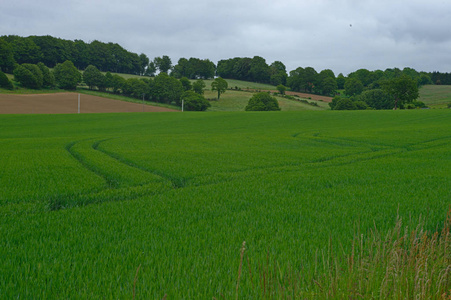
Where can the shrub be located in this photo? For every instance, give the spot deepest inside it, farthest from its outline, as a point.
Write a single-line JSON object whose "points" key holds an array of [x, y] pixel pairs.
{"points": [[26, 78], [192, 101], [66, 75], [345, 104], [262, 102], [5, 82]]}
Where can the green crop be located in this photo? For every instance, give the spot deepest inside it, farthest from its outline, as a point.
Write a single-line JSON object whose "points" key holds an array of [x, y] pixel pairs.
{"points": [[154, 204]]}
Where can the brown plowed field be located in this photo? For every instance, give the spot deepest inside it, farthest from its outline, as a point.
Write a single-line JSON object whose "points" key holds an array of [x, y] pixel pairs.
{"points": [[67, 103]]}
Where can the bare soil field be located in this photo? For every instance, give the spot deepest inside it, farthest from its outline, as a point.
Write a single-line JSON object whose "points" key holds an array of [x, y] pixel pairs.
{"points": [[67, 103]]}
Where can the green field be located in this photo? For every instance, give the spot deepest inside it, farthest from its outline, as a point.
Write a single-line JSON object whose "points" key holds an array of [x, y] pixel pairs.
{"points": [[435, 96], [233, 100], [102, 205]]}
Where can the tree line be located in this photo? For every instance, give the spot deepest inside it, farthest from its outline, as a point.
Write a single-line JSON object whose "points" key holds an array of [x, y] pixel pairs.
{"points": [[28, 57], [51, 51]]}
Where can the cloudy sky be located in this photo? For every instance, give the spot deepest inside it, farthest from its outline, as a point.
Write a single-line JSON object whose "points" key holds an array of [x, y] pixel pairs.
{"points": [[342, 35]]}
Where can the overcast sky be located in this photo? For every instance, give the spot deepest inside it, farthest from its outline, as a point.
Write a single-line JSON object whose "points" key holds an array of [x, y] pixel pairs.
{"points": [[342, 35]]}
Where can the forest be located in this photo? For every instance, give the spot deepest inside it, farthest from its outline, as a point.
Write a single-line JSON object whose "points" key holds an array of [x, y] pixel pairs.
{"points": [[360, 89]]}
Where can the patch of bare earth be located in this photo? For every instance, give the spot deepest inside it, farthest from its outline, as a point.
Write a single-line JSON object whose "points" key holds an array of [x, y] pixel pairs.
{"points": [[67, 103]]}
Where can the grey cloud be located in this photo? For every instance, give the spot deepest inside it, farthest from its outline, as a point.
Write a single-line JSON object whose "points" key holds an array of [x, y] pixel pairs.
{"points": [[342, 35]]}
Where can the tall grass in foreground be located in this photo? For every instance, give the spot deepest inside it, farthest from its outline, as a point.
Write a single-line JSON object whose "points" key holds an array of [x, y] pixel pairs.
{"points": [[402, 264]]}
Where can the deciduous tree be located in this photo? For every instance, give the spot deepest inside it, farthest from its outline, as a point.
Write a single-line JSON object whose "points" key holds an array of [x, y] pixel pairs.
{"points": [[5, 83], [93, 77], [353, 87], [403, 89], [163, 63], [66, 75], [194, 102], [199, 86], [219, 85], [262, 102]]}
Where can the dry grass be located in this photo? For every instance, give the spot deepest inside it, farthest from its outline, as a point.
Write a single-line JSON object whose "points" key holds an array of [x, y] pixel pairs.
{"points": [[401, 264]]}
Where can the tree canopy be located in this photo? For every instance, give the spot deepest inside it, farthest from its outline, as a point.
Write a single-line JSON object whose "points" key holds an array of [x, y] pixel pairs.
{"points": [[67, 76], [219, 85], [262, 102], [194, 102], [403, 89]]}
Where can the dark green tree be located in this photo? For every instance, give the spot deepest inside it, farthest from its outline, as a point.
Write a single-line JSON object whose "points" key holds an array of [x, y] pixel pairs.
{"points": [[143, 63], [108, 80], [259, 71], [278, 73], [345, 104], [281, 88], [377, 99], [93, 77], [194, 102], [328, 86], [220, 85], [37, 73], [26, 78], [117, 83], [6, 56], [5, 83], [403, 89], [26, 51], [241, 69], [262, 102], [136, 88], [66, 75], [163, 63], [341, 81], [353, 87], [48, 79], [151, 69], [166, 89], [199, 86], [186, 84]]}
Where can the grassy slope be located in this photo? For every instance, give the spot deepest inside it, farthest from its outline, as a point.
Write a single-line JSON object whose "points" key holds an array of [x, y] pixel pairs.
{"points": [[436, 96], [233, 100], [177, 194]]}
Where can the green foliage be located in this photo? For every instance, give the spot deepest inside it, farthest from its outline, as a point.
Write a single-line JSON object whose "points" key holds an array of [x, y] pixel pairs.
{"points": [[281, 88], [262, 102], [5, 83], [360, 105], [48, 79], [163, 63], [66, 75], [219, 85], [186, 84], [26, 78], [353, 87], [136, 88], [117, 83], [166, 89], [345, 104], [108, 82], [199, 86], [194, 68], [403, 89], [194, 102], [278, 73], [6, 56], [377, 99], [341, 79], [93, 77], [328, 86]]}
